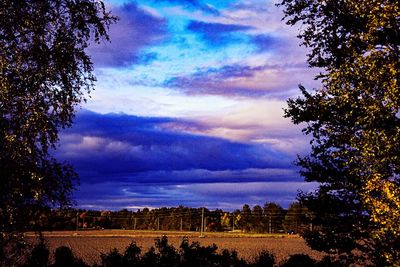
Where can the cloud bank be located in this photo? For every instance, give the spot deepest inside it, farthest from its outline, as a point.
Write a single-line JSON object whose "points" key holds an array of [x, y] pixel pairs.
{"points": [[127, 157]]}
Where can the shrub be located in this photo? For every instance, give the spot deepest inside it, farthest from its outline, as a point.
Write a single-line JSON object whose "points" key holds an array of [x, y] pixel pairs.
{"points": [[132, 255], [65, 258], [194, 255], [169, 257], [264, 259], [39, 256], [112, 259], [299, 260]]}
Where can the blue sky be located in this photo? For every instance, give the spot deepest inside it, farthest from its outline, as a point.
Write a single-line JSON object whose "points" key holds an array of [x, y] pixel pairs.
{"points": [[188, 108]]}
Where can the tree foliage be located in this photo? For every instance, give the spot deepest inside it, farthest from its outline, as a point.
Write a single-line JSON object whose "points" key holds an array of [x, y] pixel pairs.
{"points": [[355, 125], [45, 73]]}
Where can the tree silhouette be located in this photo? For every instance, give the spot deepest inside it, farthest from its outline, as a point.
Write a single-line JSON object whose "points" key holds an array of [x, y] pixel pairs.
{"points": [[355, 124], [44, 74]]}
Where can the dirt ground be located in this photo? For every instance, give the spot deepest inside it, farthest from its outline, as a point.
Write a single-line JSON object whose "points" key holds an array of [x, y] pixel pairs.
{"points": [[89, 245]]}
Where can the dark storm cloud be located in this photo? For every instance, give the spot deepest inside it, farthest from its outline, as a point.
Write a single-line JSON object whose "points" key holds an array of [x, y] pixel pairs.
{"points": [[100, 146], [216, 33], [127, 161], [199, 176], [131, 162], [135, 30]]}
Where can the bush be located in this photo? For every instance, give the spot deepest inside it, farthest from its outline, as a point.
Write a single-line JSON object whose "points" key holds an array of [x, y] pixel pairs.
{"points": [[65, 258], [194, 255], [264, 259], [169, 257], [132, 255], [164, 254], [39, 256], [114, 258], [299, 260]]}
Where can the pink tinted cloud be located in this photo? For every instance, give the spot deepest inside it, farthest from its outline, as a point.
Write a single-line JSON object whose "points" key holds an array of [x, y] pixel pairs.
{"points": [[268, 79]]}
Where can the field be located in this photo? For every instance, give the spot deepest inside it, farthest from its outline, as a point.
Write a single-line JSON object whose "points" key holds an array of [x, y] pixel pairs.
{"points": [[88, 245]]}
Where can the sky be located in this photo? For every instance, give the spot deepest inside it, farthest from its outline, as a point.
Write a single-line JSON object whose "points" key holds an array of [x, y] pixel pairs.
{"points": [[188, 108]]}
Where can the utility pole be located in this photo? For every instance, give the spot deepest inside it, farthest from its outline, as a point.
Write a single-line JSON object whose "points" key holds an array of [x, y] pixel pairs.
{"points": [[190, 221], [181, 224], [202, 223], [233, 222], [77, 220], [270, 224], [134, 225]]}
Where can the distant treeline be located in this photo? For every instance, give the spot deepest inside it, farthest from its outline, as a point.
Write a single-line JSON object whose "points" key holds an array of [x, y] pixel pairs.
{"points": [[271, 218]]}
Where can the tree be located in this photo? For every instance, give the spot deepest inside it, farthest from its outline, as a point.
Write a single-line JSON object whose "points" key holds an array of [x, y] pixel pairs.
{"points": [[45, 73], [226, 221], [236, 219], [245, 221], [295, 218], [273, 217], [355, 125], [257, 218]]}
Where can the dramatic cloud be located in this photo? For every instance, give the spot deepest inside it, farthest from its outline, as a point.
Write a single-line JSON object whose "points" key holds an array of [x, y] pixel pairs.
{"points": [[198, 88], [117, 144], [134, 153], [137, 28], [264, 58]]}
